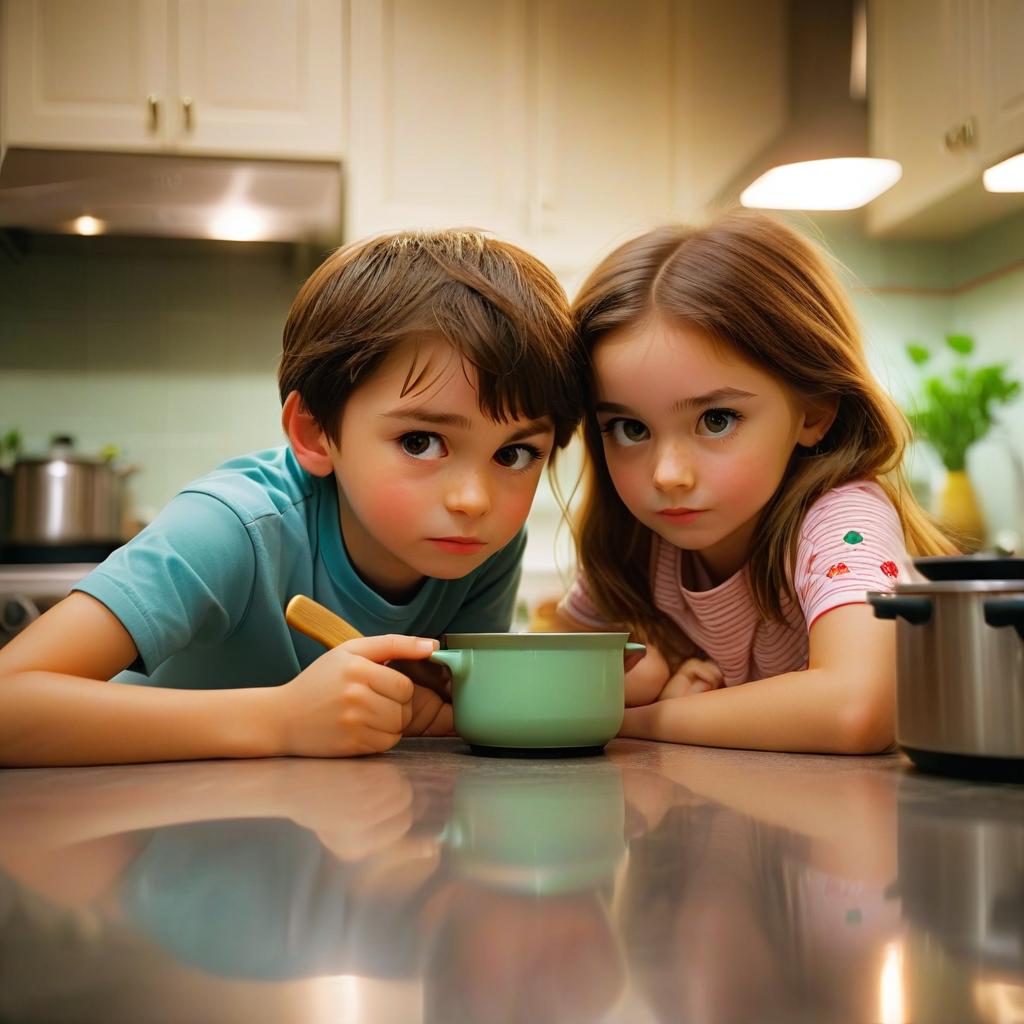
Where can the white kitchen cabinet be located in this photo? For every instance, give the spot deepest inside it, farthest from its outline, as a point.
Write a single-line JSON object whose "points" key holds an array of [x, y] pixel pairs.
{"points": [[258, 78], [563, 125], [947, 102], [438, 116]]}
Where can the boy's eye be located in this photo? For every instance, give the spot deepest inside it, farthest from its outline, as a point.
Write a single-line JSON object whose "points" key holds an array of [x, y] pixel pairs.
{"points": [[517, 456], [626, 432], [422, 445], [718, 422]]}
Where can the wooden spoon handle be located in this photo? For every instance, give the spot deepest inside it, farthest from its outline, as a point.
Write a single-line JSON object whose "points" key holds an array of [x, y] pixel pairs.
{"points": [[320, 623]]}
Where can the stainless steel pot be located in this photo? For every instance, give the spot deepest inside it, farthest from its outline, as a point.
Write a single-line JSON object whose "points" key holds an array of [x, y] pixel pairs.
{"points": [[67, 499], [960, 674]]}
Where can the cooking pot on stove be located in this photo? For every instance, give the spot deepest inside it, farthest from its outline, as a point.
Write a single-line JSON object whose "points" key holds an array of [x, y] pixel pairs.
{"points": [[960, 667], [67, 498]]}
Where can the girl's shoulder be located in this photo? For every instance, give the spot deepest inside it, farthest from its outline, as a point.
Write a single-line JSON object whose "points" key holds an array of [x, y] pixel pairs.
{"points": [[858, 500]]}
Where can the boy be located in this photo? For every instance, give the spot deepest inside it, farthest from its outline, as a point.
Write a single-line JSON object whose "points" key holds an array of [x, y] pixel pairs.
{"points": [[426, 379]]}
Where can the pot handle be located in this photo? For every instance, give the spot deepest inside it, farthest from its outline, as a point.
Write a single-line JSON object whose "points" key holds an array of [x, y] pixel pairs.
{"points": [[1005, 611], [916, 610], [458, 662]]}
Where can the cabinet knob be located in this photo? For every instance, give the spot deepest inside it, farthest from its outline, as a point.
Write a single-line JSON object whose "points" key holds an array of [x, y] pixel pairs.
{"points": [[153, 105], [187, 107], [961, 136]]}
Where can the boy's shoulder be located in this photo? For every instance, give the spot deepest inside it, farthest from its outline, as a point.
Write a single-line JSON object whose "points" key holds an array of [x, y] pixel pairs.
{"points": [[260, 484]]}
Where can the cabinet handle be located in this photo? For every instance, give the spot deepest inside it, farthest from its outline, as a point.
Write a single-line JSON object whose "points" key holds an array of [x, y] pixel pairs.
{"points": [[962, 135], [969, 130], [153, 105], [187, 107]]}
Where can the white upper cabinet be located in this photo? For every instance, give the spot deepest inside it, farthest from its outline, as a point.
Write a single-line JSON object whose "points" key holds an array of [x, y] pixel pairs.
{"points": [[259, 78], [947, 102], [90, 75], [438, 116], [563, 125]]}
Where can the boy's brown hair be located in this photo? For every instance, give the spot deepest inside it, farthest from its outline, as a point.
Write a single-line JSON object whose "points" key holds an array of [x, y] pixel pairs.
{"points": [[500, 308]]}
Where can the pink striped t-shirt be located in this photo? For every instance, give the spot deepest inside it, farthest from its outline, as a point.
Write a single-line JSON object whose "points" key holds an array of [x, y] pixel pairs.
{"points": [[851, 541]]}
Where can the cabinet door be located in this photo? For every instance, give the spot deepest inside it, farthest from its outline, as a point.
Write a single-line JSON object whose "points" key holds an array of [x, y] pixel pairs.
{"points": [[258, 78], [605, 126], [85, 75], [437, 116], [1001, 85], [921, 68]]}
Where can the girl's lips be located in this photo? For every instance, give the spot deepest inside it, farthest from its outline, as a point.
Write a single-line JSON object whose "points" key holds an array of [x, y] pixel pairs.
{"points": [[680, 515], [458, 545]]}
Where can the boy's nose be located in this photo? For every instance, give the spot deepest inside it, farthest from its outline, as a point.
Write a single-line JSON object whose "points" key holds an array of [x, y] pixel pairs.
{"points": [[673, 469], [469, 495]]}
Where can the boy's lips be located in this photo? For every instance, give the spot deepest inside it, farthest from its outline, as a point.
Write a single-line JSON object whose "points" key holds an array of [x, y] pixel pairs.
{"points": [[458, 545]]}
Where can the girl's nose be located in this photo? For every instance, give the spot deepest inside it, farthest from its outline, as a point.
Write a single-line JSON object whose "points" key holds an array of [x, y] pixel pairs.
{"points": [[469, 495], [673, 469]]}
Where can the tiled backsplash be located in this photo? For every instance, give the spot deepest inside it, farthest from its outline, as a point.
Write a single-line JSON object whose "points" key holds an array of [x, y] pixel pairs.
{"points": [[169, 349]]}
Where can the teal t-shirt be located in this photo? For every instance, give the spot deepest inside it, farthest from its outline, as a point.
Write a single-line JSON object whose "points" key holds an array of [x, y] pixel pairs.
{"points": [[202, 590]]}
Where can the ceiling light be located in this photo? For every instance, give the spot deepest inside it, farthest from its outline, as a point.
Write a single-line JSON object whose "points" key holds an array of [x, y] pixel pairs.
{"points": [[87, 225], [839, 183], [1007, 176]]}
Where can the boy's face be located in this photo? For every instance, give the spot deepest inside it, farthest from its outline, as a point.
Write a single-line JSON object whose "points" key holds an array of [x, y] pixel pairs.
{"points": [[427, 484]]}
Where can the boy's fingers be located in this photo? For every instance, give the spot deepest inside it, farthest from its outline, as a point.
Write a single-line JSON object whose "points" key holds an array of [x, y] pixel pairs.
{"points": [[388, 682], [376, 741], [391, 646]]}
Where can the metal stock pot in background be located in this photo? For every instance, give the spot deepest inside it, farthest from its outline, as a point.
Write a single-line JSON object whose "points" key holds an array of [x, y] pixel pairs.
{"points": [[67, 498], [960, 669]]}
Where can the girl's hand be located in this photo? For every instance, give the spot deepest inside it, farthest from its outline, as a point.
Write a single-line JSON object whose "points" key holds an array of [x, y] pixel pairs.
{"points": [[348, 701], [695, 675], [646, 678]]}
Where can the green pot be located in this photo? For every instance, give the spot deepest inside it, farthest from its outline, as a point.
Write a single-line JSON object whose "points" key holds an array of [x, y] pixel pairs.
{"points": [[537, 693]]}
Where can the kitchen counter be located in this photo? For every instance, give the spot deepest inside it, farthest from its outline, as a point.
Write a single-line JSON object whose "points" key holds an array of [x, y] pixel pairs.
{"points": [[654, 883]]}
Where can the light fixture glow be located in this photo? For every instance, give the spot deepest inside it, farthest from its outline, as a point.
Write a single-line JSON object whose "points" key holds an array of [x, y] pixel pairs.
{"points": [[843, 183], [238, 224], [1007, 176], [892, 1002], [87, 225]]}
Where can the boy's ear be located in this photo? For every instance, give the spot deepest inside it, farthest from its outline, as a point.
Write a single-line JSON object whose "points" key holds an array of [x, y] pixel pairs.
{"points": [[306, 437], [819, 415]]}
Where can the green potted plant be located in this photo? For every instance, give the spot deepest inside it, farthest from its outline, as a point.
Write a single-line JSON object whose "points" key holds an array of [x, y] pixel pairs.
{"points": [[953, 410]]}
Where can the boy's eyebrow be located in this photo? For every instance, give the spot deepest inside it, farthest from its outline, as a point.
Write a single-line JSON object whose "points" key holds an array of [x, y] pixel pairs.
{"points": [[449, 419], [695, 402]]}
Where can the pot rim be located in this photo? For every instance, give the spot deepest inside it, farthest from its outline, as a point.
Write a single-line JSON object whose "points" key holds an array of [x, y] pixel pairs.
{"points": [[535, 641], [958, 587]]}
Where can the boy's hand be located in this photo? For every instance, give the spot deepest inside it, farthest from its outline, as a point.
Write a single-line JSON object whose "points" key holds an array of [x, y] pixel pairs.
{"points": [[348, 701], [695, 675], [431, 715]]}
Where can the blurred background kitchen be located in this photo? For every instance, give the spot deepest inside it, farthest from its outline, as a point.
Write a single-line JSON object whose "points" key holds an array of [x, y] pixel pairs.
{"points": [[172, 170]]}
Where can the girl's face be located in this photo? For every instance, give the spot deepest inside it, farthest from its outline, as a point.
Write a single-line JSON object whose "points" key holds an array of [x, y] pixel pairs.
{"points": [[427, 484], [697, 439]]}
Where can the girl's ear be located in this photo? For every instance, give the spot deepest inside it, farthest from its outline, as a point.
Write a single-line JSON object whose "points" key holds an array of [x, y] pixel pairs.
{"points": [[819, 415], [306, 437]]}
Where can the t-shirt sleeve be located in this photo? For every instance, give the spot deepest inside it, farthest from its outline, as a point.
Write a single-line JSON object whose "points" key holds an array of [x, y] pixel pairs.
{"points": [[579, 606], [187, 577], [851, 542], [491, 602]]}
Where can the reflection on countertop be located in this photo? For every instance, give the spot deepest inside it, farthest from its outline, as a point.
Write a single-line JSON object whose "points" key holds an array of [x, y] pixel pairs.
{"points": [[655, 883]]}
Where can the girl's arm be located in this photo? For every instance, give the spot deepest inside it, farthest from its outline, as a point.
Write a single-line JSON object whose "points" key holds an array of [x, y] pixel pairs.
{"points": [[842, 703], [57, 708]]}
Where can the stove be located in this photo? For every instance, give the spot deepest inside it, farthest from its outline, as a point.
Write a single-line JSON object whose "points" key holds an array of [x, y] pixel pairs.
{"points": [[28, 590]]}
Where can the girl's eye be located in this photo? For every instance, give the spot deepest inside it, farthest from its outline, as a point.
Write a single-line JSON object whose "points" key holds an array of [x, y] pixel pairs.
{"points": [[422, 445], [718, 422], [626, 432], [517, 456]]}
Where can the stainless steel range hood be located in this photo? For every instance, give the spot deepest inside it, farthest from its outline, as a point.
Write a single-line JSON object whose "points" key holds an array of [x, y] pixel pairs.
{"points": [[185, 197]]}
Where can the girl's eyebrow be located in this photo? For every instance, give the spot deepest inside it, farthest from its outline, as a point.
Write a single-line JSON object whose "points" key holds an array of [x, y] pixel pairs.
{"points": [[450, 419], [694, 402]]}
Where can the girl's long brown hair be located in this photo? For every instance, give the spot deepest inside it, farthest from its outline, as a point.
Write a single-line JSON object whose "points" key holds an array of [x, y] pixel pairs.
{"points": [[761, 288]]}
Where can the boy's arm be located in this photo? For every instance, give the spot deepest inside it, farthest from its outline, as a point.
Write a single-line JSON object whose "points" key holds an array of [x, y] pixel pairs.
{"points": [[842, 703], [56, 707]]}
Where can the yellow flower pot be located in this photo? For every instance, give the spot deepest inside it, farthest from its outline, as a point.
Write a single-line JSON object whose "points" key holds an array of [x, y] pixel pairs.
{"points": [[959, 509]]}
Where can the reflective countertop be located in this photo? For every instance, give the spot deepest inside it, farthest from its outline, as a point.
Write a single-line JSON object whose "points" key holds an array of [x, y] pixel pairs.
{"points": [[653, 883]]}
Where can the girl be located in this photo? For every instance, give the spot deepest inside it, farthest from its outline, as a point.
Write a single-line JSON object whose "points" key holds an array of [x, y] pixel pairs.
{"points": [[744, 492]]}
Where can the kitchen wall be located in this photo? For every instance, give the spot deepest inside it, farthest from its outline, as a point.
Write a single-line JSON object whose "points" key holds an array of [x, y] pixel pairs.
{"points": [[168, 349]]}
